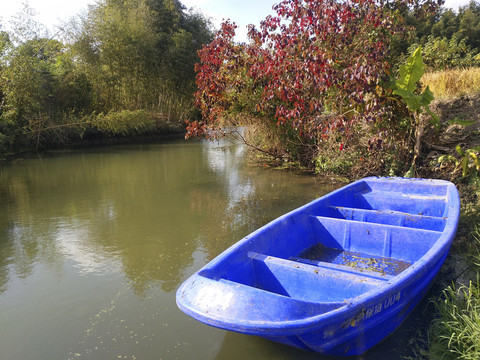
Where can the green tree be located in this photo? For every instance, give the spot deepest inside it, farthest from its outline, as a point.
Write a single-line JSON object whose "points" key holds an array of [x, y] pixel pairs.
{"points": [[449, 38], [464, 25], [469, 26], [122, 57], [73, 92], [447, 25], [440, 53], [30, 88], [117, 48], [4, 46], [140, 54]]}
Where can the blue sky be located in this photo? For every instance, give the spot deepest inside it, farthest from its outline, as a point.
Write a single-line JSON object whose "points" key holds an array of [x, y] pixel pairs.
{"points": [[243, 12]]}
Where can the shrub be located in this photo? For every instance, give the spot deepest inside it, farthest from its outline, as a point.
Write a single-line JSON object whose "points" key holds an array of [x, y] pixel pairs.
{"points": [[128, 123]]}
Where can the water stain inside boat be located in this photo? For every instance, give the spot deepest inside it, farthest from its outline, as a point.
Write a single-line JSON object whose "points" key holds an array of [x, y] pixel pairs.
{"points": [[355, 260]]}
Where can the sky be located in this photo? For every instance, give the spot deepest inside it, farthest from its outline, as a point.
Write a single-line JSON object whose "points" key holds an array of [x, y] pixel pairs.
{"points": [[53, 13]]}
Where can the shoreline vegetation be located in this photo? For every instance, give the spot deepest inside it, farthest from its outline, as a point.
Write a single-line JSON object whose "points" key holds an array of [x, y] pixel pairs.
{"points": [[121, 69], [137, 70], [99, 130]]}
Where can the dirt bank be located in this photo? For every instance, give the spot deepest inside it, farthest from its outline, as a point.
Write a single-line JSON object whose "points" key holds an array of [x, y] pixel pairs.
{"points": [[450, 135]]}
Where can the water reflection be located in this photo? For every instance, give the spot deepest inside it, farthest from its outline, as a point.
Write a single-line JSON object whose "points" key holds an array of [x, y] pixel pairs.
{"points": [[72, 241], [106, 212], [224, 159]]}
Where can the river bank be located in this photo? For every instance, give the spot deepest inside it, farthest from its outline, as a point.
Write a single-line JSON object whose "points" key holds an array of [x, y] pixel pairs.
{"points": [[120, 128], [451, 153]]}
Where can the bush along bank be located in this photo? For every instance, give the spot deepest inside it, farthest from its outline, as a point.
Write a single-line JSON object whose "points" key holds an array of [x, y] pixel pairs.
{"points": [[98, 129]]}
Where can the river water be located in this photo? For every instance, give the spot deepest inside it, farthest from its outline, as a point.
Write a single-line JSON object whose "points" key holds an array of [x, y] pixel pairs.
{"points": [[95, 242]]}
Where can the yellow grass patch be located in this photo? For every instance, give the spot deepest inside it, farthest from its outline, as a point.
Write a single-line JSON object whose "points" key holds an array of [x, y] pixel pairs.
{"points": [[453, 83]]}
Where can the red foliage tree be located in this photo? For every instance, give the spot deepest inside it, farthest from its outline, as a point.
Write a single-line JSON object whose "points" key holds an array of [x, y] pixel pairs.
{"points": [[213, 79], [318, 65]]}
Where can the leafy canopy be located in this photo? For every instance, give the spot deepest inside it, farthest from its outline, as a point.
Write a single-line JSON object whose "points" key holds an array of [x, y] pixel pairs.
{"points": [[317, 66]]}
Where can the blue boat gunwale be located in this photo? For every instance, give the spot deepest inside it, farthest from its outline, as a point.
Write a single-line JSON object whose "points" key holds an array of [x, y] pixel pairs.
{"points": [[355, 305]]}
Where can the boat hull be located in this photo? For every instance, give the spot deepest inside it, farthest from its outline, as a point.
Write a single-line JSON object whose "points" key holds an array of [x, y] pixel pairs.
{"points": [[362, 333], [335, 276]]}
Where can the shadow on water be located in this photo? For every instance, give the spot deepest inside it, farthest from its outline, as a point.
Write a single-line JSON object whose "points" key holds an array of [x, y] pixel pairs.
{"points": [[402, 344]]}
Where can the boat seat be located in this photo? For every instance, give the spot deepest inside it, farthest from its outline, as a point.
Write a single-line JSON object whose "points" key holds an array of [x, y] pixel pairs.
{"points": [[309, 282], [230, 302], [389, 217], [415, 204], [389, 241]]}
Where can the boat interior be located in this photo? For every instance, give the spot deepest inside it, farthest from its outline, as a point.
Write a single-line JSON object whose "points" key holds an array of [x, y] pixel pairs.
{"points": [[339, 246]]}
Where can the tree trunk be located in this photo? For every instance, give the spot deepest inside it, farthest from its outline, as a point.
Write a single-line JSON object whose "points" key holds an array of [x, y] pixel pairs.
{"points": [[417, 150]]}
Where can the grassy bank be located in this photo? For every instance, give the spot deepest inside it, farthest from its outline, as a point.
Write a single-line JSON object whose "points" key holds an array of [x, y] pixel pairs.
{"points": [[455, 332], [109, 128], [132, 123]]}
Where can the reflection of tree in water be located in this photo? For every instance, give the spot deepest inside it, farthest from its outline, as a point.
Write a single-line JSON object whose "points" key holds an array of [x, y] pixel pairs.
{"points": [[142, 213], [24, 238], [98, 210], [250, 197], [6, 251]]}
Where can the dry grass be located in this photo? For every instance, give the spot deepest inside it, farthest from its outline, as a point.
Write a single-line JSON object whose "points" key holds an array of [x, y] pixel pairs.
{"points": [[453, 83]]}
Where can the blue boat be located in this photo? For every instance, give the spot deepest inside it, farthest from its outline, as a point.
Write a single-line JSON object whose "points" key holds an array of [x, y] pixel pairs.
{"points": [[336, 275]]}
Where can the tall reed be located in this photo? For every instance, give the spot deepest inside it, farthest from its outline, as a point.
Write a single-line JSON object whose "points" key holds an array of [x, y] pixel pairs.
{"points": [[453, 83]]}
